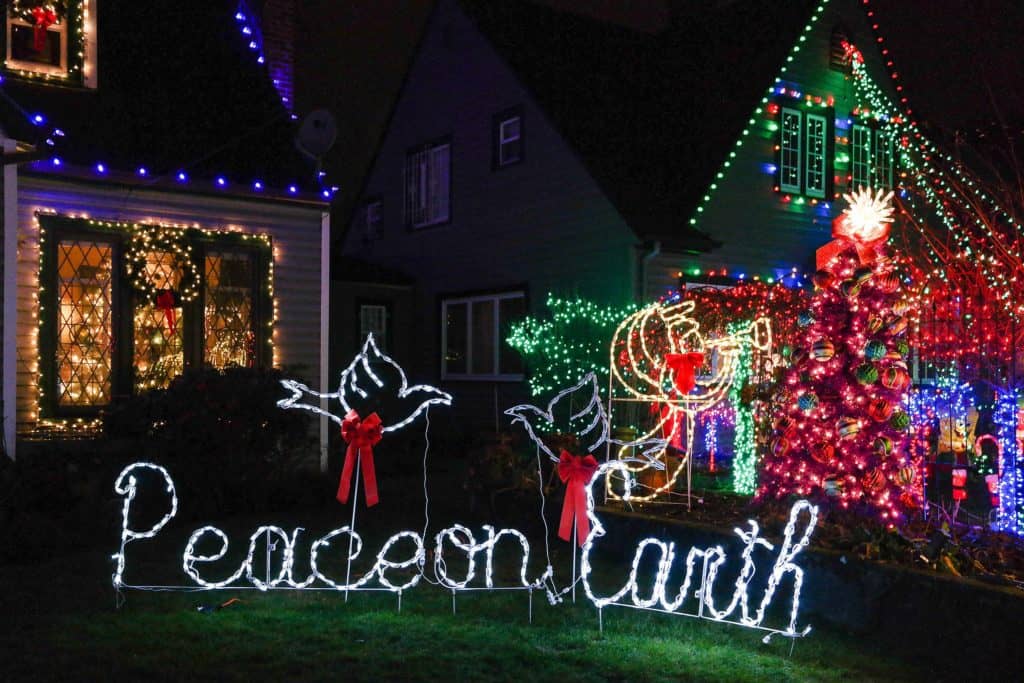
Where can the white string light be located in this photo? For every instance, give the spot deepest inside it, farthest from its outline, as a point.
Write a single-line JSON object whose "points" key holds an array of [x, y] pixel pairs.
{"points": [[349, 384], [712, 559], [127, 485]]}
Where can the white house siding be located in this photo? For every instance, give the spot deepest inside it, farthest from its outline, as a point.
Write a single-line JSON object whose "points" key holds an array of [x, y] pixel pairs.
{"points": [[294, 228]]}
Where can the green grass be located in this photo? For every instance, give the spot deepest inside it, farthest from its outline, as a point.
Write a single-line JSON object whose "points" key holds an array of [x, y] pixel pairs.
{"points": [[60, 623]]}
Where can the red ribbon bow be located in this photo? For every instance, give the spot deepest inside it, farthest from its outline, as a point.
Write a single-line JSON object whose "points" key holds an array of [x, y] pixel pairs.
{"points": [[165, 302], [361, 436], [45, 18], [575, 471], [684, 367]]}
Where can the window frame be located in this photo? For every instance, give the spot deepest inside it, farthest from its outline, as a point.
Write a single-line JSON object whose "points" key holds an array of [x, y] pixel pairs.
{"points": [[407, 200], [469, 300], [822, 192], [857, 149], [360, 302], [497, 142], [58, 71], [783, 151], [124, 299], [78, 66]]}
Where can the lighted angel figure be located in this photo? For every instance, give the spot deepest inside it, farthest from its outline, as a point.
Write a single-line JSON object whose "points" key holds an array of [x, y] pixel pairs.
{"points": [[578, 412], [365, 392], [658, 356]]}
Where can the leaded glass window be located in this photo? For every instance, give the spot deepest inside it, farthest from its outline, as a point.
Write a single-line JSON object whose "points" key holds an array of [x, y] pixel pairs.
{"points": [[789, 151], [157, 325], [230, 338], [816, 146], [860, 143], [84, 330]]}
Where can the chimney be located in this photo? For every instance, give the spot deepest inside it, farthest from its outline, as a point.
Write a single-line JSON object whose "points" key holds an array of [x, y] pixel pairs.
{"points": [[279, 46]]}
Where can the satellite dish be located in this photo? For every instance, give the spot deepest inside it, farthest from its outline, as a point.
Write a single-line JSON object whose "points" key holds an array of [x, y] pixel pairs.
{"points": [[317, 134]]}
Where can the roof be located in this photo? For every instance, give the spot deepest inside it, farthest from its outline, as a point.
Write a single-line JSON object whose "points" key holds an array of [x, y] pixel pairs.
{"points": [[652, 116], [180, 95]]}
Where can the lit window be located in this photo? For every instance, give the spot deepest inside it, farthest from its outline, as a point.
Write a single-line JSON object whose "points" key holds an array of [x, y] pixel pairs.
{"points": [[474, 333], [373, 319], [817, 169], [229, 310], [84, 330], [159, 353], [428, 186], [508, 139], [789, 151]]}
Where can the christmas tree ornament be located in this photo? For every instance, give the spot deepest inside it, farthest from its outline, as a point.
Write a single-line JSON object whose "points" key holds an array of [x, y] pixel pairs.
{"points": [[849, 288], [848, 427], [897, 325], [888, 283], [905, 475], [882, 446], [823, 452], [902, 348], [785, 426], [863, 274], [899, 420], [866, 373], [833, 486], [808, 402], [805, 318], [895, 378], [823, 350], [880, 409], [875, 324], [822, 279], [874, 350], [874, 480], [780, 446]]}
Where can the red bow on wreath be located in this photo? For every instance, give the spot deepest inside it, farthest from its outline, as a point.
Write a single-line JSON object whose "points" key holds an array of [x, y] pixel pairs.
{"points": [[361, 436], [684, 368], [575, 471], [44, 18], [165, 302]]}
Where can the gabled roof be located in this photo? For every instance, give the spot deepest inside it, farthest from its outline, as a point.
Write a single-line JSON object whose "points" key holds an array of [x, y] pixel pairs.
{"points": [[651, 116], [179, 91]]}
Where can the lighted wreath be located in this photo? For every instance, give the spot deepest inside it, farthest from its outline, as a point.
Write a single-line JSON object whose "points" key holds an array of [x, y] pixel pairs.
{"points": [[173, 241]]}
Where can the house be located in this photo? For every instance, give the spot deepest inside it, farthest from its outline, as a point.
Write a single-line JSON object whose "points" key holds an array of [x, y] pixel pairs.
{"points": [[534, 151], [157, 214]]}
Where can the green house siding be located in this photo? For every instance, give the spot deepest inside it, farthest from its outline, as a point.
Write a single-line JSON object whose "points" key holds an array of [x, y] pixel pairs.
{"points": [[773, 205]]}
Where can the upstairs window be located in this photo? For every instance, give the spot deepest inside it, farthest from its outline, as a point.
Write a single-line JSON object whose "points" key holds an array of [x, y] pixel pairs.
{"points": [[805, 151], [374, 319], [474, 330], [871, 158], [51, 39], [789, 151], [428, 185], [508, 138]]}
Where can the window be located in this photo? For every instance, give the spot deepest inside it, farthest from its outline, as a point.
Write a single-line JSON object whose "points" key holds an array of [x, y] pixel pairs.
{"points": [[860, 142], [789, 151], [508, 139], [105, 335], [817, 146], [374, 319], [871, 152], [474, 330], [428, 186], [54, 41], [371, 222]]}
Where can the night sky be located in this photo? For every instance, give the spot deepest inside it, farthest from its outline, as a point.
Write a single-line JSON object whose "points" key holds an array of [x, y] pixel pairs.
{"points": [[961, 61]]}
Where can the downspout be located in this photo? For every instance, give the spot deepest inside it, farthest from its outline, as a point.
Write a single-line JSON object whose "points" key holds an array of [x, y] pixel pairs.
{"points": [[647, 258]]}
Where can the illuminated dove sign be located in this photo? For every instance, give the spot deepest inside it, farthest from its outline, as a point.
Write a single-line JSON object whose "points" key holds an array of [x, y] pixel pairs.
{"points": [[368, 385]]}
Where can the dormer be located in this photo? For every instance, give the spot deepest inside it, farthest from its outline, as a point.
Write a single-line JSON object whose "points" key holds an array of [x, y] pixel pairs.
{"points": [[51, 41]]}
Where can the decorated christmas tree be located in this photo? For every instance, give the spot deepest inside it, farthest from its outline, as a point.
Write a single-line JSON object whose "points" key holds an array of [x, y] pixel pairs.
{"points": [[839, 427]]}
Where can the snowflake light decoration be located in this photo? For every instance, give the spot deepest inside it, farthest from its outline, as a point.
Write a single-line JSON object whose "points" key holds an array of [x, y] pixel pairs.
{"points": [[867, 218]]}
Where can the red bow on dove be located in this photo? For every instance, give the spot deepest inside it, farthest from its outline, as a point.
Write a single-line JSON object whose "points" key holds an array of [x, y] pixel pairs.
{"points": [[44, 18], [684, 367], [575, 471], [165, 302], [361, 436]]}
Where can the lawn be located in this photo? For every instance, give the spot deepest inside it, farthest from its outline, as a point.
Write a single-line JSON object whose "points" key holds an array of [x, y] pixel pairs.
{"points": [[61, 623]]}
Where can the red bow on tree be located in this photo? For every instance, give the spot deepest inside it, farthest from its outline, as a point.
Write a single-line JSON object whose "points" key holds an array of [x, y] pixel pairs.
{"points": [[684, 367], [361, 436], [45, 18], [165, 302], [575, 471]]}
